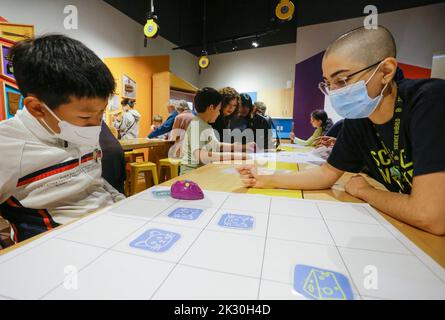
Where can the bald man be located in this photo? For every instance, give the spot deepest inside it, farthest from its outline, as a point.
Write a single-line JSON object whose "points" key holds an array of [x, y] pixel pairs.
{"points": [[393, 127]]}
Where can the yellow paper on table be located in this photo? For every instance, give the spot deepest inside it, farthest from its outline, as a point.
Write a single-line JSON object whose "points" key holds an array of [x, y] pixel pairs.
{"points": [[282, 166], [286, 148], [297, 194]]}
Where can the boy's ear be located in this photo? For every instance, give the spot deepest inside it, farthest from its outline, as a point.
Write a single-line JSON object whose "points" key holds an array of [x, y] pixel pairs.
{"points": [[34, 106], [389, 69]]}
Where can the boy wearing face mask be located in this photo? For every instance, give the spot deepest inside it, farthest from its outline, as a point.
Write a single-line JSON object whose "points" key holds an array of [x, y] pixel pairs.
{"points": [[391, 127], [50, 167]]}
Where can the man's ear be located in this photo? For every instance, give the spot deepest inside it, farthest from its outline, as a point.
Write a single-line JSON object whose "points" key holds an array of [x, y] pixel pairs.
{"points": [[389, 68], [34, 106]]}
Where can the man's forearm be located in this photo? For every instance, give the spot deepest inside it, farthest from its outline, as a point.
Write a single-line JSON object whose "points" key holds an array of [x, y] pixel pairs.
{"points": [[397, 205], [312, 179]]}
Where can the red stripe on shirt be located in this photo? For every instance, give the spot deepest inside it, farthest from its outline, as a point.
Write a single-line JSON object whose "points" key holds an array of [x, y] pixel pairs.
{"points": [[45, 219], [12, 203], [53, 172]]}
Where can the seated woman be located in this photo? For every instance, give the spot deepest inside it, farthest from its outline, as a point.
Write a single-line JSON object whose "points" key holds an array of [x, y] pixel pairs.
{"points": [[321, 123], [229, 109]]}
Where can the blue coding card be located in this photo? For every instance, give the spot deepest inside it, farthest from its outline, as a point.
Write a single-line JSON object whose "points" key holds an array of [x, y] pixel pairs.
{"points": [[236, 221], [155, 240], [321, 284], [185, 213]]}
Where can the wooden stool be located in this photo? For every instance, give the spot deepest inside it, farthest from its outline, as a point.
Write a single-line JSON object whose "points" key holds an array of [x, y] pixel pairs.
{"points": [[132, 156], [128, 156], [169, 167], [138, 154], [142, 167]]}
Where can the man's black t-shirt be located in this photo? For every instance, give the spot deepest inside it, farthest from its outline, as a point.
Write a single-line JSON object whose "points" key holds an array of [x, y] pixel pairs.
{"points": [[421, 145]]}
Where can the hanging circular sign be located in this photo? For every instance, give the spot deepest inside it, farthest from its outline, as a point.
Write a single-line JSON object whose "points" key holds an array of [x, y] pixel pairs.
{"points": [[204, 62], [151, 29], [285, 10]]}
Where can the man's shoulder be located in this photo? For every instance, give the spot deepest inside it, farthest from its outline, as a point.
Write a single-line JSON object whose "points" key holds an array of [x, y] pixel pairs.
{"points": [[356, 126], [413, 89]]}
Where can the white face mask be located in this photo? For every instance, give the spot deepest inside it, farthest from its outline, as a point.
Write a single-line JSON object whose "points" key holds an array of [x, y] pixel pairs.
{"points": [[81, 136]]}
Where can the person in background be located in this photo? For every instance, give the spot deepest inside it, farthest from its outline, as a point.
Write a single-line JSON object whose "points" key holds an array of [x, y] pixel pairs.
{"points": [[254, 126], [229, 109], [128, 126], [200, 145], [166, 127], [113, 159], [321, 123], [157, 122], [180, 126], [261, 109]]}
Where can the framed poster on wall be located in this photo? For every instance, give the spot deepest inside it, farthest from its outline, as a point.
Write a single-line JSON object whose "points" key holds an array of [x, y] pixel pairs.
{"points": [[129, 87], [6, 70], [16, 32], [12, 100], [113, 103]]}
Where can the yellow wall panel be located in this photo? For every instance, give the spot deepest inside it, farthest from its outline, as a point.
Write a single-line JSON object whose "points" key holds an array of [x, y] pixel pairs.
{"points": [[279, 102], [161, 93]]}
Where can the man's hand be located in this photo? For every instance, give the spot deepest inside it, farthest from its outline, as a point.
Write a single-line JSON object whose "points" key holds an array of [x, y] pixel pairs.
{"points": [[357, 185], [250, 178], [292, 137]]}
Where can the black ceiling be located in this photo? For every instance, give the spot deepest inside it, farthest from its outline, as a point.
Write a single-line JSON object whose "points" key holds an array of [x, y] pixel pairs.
{"points": [[181, 21]]}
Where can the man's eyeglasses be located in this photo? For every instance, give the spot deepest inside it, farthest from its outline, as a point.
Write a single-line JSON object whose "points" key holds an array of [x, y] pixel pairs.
{"points": [[341, 82]]}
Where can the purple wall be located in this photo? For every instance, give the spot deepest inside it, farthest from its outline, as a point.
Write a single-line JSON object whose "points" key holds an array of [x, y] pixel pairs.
{"points": [[307, 96]]}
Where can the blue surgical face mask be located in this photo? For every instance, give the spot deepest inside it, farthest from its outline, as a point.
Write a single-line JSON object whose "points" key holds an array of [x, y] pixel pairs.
{"points": [[353, 101]]}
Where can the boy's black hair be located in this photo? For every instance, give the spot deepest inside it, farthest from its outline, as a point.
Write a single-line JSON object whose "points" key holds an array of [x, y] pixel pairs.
{"points": [[56, 67], [246, 101], [205, 98]]}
